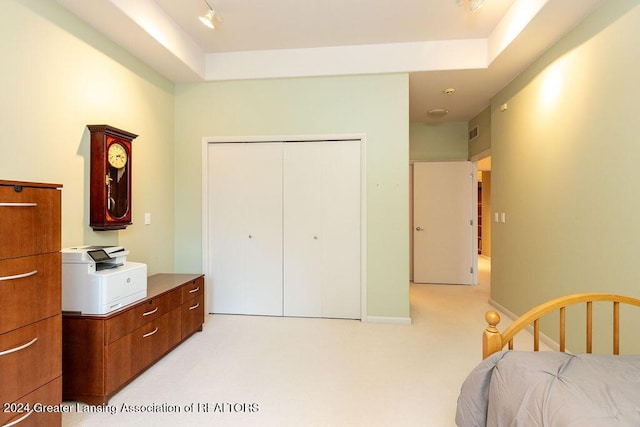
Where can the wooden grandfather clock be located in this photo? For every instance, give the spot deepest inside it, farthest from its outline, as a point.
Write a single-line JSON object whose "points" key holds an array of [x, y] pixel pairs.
{"points": [[110, 182]]}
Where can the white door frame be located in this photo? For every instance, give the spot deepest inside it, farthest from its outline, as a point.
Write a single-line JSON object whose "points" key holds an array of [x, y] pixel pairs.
{"points": [[287, 138]]}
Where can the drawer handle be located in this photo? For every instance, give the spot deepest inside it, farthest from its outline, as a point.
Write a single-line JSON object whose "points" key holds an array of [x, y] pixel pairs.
{"points": [[19, 420], [150, 333], [22, 347], [194, 307], [18, 205], [19, 276], [194, 290], [150, 312]]}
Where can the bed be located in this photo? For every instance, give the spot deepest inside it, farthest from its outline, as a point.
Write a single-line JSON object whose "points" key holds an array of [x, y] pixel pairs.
{"points": [[552, 388]]}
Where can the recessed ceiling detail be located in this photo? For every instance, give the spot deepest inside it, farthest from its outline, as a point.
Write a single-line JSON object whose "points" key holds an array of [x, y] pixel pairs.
{"points": [[432, 41]]}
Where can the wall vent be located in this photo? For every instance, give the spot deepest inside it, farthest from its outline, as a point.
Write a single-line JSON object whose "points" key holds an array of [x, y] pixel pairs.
{"points": [[473, 133]]}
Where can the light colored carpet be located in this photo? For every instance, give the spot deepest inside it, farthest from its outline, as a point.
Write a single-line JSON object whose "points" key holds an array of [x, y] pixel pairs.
{"points": [[272, 371]]}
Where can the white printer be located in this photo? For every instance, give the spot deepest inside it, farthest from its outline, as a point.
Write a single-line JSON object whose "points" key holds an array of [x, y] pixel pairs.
{"points": [[98, 279]]}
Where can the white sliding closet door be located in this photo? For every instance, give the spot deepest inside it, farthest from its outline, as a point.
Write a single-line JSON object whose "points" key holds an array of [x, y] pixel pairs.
{"points": [[341, 229], [322, 229], [245, 222], [303, 229]]}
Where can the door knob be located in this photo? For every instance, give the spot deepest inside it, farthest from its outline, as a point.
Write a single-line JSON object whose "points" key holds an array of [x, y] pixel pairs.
{"points": [[419, 228]]}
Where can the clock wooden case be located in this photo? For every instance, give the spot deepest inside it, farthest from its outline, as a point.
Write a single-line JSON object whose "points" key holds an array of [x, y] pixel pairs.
{"points": [[110, 182]]}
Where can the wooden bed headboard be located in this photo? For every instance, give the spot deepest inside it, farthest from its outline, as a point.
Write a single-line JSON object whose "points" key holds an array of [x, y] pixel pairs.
{"points": [[494, 341]]}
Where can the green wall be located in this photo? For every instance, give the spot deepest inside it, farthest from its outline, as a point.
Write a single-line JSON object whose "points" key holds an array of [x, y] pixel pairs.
{"points": [[374, 105], [58, 75], [438, 142], [566, 172], [482, 142]]}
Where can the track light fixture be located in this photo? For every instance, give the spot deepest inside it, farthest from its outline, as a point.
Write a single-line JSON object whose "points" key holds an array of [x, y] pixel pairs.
{"points": [[209, 17], [473, 5]]}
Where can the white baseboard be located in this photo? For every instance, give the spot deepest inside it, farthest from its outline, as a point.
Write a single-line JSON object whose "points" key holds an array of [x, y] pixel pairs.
{"points": [[544, 338], [380, 319]]}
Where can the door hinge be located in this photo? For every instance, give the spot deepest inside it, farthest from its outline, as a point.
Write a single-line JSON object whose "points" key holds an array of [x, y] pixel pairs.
{"points": [[471, 270], [470, 222]]}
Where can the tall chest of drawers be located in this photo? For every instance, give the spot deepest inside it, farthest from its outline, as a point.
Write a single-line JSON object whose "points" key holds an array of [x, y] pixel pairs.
{"points": [[30, 292]]}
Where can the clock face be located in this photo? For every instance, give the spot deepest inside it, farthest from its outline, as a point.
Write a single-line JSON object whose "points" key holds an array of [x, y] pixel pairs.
{"points": [[117, 156]]}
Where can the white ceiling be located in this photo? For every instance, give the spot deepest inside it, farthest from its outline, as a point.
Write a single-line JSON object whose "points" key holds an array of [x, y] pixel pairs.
{"points": [[439, 43]]}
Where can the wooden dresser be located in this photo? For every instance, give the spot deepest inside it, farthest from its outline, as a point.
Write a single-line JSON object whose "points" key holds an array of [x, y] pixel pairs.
{"points": [[30, 294], [103, 353]]}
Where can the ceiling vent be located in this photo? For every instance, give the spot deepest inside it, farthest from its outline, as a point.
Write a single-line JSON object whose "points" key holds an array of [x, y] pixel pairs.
{"points": [[473, 133]]}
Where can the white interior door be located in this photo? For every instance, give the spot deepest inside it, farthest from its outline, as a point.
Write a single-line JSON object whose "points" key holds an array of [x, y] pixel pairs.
{"points": [[263, 268], [285, 228], [322, 229], [227, 226], [341, 289], [245, 222], [303, 229], [442, 217]]}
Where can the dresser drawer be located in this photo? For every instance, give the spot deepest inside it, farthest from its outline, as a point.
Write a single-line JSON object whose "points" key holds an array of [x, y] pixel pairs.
{"points": [[29, 357], [29, 221], [131, 354], [29, 290], [193, 289], [48, 395], [131, 319], [192, 316]]}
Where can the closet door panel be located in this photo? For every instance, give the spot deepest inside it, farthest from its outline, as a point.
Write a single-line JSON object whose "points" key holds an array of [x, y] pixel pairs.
{"points": [[245, 211], [303, 229], [227, 219], [263, 233], [341, 230], [285, 228]]}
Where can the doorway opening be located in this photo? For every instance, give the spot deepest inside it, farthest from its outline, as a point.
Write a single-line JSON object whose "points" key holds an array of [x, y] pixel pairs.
{"points": [[484, 207], [485, 219]]}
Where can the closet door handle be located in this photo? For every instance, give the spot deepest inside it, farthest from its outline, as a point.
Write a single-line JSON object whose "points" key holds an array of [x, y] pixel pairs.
{"points": [[19, 276], [194, 290], [19, 420], [150, 333], [20, 347], [194, 307], [150, 312], [18, 205]]}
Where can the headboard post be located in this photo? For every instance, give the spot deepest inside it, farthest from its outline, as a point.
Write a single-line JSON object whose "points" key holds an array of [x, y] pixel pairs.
{"points": [[491, 338]]}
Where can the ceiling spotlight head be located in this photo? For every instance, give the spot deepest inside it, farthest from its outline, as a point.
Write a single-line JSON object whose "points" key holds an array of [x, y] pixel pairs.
{"points": [[208, 19], [474, 5]]}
